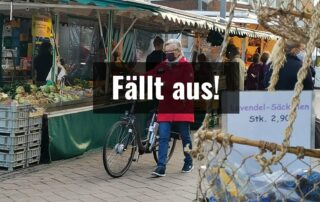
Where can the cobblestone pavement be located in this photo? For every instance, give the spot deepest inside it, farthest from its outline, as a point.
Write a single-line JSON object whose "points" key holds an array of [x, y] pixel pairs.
{"points": [[84, 179]]}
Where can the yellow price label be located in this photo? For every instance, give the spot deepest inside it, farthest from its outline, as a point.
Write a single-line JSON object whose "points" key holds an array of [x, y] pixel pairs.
{"points": [[41, 26]]}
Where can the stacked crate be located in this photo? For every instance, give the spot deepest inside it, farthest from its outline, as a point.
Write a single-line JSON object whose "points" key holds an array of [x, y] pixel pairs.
{"points": [[13, 136], [20, 136], [34, 138]]}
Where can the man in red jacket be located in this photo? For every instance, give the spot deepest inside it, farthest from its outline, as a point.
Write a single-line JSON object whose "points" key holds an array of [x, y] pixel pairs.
{"points": [[174, 69]]}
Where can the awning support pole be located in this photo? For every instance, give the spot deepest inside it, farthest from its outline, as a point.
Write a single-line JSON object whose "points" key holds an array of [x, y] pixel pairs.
{"points": [[181, 32], [109, 47], [124, 35], [244, 43], [121, 34], [55, 53], [101, 33]]}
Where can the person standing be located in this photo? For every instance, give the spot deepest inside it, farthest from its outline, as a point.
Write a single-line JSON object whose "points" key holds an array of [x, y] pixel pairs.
{"points": [[288, 73], [264, 60], [43, 63], [255, 74], [266, 67], [171, 112], [157, 56], [233, 54]]}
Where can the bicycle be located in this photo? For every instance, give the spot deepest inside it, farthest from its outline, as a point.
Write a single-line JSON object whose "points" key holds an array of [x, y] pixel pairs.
{"points": [[126, 143]]}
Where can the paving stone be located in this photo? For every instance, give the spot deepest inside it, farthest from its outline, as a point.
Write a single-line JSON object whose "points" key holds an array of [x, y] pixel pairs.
{"points": [[84, 179]]}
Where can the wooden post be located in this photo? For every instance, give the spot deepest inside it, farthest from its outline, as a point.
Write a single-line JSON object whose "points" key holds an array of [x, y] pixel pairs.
{"points": [[270, 146], [244, 46]]}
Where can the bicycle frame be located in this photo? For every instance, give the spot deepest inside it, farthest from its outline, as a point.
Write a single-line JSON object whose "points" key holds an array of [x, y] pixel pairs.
{"points": [[147, 145]]}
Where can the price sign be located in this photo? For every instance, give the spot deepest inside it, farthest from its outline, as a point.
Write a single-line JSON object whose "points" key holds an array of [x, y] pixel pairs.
{"points": [[264, 116], [41, 26]]}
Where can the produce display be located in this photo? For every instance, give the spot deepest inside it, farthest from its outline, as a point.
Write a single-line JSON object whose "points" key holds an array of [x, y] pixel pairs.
{"points": [[23, 93]]}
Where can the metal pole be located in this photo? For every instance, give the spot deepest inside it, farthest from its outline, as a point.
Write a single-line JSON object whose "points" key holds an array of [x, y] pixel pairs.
{"points": [[124, 35], [109, 47], [1, 43], [101, 33], [110, 33], [200, 5], [223, 9], [261, 46], [22, 6], [33, 72], [244, 46], [121, 34], [54, 62]]}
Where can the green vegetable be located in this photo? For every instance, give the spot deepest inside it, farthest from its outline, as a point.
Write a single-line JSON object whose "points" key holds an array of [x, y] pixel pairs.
{"points": [[82, 83], [20, 89]]}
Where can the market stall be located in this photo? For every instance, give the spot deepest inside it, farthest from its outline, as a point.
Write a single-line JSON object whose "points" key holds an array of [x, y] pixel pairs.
{"points": [[72, 123], [86, 34], [246, 33]]}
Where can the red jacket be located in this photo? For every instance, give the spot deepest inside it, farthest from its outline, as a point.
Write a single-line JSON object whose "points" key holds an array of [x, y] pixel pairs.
{"points": [[170, 110]]}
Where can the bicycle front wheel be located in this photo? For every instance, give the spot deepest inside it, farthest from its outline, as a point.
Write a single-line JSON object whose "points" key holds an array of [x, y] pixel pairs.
{"points": [[119, 149]]}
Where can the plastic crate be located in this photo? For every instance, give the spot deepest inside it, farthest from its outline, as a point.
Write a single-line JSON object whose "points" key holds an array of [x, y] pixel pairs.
{"points": [[33, 152], [7, 124], [35, 122], [17, 139], [14, 112], [35, 127], [13, 132], [10, 158], [33, 161], [34, 138], [11, 149], [10, 166]]}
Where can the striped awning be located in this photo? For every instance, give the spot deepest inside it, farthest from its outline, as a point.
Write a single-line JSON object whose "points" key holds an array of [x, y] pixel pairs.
{"points": [[173, 16], [246, 32], [151, 17], [170, 19]]}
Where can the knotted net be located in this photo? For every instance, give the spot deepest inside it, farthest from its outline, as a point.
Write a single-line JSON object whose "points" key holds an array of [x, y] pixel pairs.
{"points": [[224, 172]]}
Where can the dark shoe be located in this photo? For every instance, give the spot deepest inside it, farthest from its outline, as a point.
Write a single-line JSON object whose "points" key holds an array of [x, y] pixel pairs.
{"points": [[159, 172], [187, 168]]}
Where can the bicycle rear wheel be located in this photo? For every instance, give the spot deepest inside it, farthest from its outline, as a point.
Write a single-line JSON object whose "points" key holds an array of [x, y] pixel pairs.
{"points": [[172, 145], [119, 149]]}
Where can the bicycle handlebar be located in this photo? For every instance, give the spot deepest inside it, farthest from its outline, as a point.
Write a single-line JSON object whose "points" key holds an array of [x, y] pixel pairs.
{"points": [[133, 106]]}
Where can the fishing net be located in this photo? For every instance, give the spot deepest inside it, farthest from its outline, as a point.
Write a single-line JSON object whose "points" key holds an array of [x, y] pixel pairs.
{"points": [[274, 171]]}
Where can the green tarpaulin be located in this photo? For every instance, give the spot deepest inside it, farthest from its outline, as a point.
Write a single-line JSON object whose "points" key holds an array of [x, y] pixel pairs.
{"points": [[111, 3], [72, 134], [75, 133]]}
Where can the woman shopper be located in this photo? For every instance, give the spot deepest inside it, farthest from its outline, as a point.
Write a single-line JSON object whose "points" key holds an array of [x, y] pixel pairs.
{"points": [[288, 73], [174, 69], [255, 74], [265, 66], [233, 55]]}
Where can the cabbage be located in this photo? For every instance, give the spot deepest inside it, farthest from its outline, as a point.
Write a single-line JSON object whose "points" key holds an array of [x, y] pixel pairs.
{"points": [[34, 88], [39, 94], [21, 100], [45, 89], [56, 100], [67, 88], [18, 96], [20, 90], [52, 89]]}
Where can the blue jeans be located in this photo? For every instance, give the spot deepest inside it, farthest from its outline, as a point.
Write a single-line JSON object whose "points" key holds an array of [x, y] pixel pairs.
{"points": [[164, 137]]}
